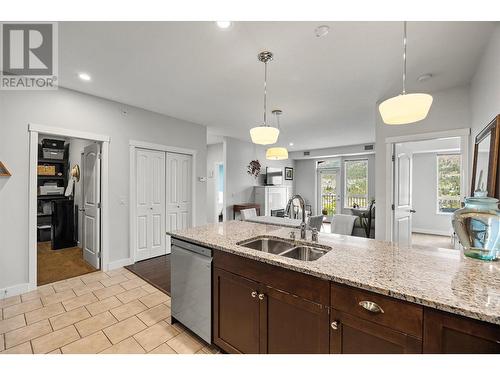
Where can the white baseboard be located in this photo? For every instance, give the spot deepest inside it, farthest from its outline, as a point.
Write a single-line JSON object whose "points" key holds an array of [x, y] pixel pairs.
{"points": [[15, 290], [119, 263], [431, 231]]}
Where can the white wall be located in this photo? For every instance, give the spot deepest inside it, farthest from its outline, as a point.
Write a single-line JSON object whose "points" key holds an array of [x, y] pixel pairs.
{"points": [[424, 194], [450, 110], [76, 147], [214, 155], [239, 184], [305, 181], [72, 110], [485, 86]]}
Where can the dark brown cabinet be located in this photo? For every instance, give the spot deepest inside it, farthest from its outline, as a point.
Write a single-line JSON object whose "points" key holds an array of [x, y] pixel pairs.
{"points": [[236, 313], [260, 308], [450, 334], [255, 316], [294, 325], [363, 322], [352, 335]]}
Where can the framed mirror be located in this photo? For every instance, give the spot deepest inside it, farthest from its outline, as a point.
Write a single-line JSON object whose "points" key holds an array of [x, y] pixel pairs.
{"points": [[485, 164]]}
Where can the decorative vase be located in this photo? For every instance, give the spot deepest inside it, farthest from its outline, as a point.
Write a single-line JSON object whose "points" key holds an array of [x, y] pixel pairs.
{"points": [[477, 226]]}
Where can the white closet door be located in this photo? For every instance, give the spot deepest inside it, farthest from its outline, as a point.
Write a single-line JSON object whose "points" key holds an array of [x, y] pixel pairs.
{"points": [[150, 199], [92, 204], [179, 180]]}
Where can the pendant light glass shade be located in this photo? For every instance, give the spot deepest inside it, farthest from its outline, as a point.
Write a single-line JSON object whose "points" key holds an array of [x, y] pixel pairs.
{"points": [[405, 108], [264, 135], [277, 153]]}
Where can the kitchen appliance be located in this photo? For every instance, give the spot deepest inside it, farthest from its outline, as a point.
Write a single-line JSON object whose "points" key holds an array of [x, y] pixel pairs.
{"points": [[274, 176], [191, 287]]}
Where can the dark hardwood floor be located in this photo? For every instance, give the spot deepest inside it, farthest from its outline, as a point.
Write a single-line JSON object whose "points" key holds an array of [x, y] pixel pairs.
{"points": [[155, 271]]}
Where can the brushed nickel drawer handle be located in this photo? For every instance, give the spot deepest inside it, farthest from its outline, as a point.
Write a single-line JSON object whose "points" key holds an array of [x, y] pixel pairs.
{"points": [[335, 325], [371, 307], [254, 294]]}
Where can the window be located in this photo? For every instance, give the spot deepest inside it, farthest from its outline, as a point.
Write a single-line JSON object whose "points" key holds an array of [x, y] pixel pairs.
{"points": [[448, 183], [356, 183]]}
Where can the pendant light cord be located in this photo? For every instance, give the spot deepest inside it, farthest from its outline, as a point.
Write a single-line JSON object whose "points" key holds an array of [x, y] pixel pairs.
{"points": [[404, 57], [265, 92]]}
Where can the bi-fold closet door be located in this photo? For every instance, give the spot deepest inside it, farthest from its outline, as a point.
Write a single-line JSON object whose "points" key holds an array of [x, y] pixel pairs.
{"points": [[150, 210], [163, 199], [179, 204]]}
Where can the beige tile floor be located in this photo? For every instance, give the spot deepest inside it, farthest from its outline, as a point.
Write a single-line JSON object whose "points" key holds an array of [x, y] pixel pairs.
{"points": [[102, 312]]}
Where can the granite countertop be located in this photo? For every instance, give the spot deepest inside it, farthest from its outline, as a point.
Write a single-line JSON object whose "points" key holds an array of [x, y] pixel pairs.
{"points": [[440, 278], [273, 220]]}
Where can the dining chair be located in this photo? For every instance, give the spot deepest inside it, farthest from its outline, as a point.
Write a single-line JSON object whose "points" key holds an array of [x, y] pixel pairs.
{"points": [[248, 213], [315, 222]]}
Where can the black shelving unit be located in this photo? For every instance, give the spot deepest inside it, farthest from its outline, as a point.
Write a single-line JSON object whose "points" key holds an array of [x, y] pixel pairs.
{"points": [[61, 178]]}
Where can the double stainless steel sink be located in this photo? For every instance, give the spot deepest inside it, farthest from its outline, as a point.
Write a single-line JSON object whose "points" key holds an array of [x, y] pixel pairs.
{"points": [[286, 248]]}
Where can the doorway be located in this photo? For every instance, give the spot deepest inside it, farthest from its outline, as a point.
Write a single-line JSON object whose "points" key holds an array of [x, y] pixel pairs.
{"points": [[329, 191], [67, 194], [219, 192], [429, 184]]}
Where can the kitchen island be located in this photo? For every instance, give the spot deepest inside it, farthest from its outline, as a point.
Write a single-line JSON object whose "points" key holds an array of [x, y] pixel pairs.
{"points": [[362, 296]]}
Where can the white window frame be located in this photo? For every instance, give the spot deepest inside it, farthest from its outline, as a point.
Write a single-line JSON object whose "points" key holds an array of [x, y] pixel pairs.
{"points": [[438, 212], [345, 196]]}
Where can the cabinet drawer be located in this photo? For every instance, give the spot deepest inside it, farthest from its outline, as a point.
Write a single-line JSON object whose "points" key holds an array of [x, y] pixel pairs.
{"points": [[399, 315]]}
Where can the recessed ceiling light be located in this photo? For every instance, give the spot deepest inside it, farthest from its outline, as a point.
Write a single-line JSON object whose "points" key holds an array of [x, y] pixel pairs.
{"points": [[84, 76], [321, 30], [223, 24], [424, 77], [290, 144]]}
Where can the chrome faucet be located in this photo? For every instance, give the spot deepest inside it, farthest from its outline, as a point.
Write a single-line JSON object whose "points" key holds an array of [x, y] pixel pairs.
{"points": [[303, 208]]}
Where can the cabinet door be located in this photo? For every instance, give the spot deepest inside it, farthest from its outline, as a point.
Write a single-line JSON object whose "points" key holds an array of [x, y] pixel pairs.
{"points": [[236, 313], [450, 334], [294, 325], [352, 335]]}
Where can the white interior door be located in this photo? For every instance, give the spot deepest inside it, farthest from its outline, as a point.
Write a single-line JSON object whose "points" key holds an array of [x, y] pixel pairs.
{"points": [[150, 201], [403, 209], [179, 179], [92, 204]]}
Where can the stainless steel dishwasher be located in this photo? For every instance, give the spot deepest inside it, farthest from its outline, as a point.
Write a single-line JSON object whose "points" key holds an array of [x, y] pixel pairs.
{"points": [[191, 287]]}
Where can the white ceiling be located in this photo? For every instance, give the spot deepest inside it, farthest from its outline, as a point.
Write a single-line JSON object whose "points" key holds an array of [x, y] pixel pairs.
{"points": [[327, 87]]}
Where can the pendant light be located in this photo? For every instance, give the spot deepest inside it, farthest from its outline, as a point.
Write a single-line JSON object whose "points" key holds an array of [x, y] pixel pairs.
{"points": [[264, 134], [277, 153], [405, 108]]}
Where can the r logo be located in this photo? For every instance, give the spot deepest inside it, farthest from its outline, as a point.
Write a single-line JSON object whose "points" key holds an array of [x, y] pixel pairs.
{"points": [[27, 49]]}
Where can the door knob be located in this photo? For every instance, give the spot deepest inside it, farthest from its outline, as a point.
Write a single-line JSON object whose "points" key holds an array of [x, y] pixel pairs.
{"points": [[335, 325], [253, 294], [261, 296]]}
